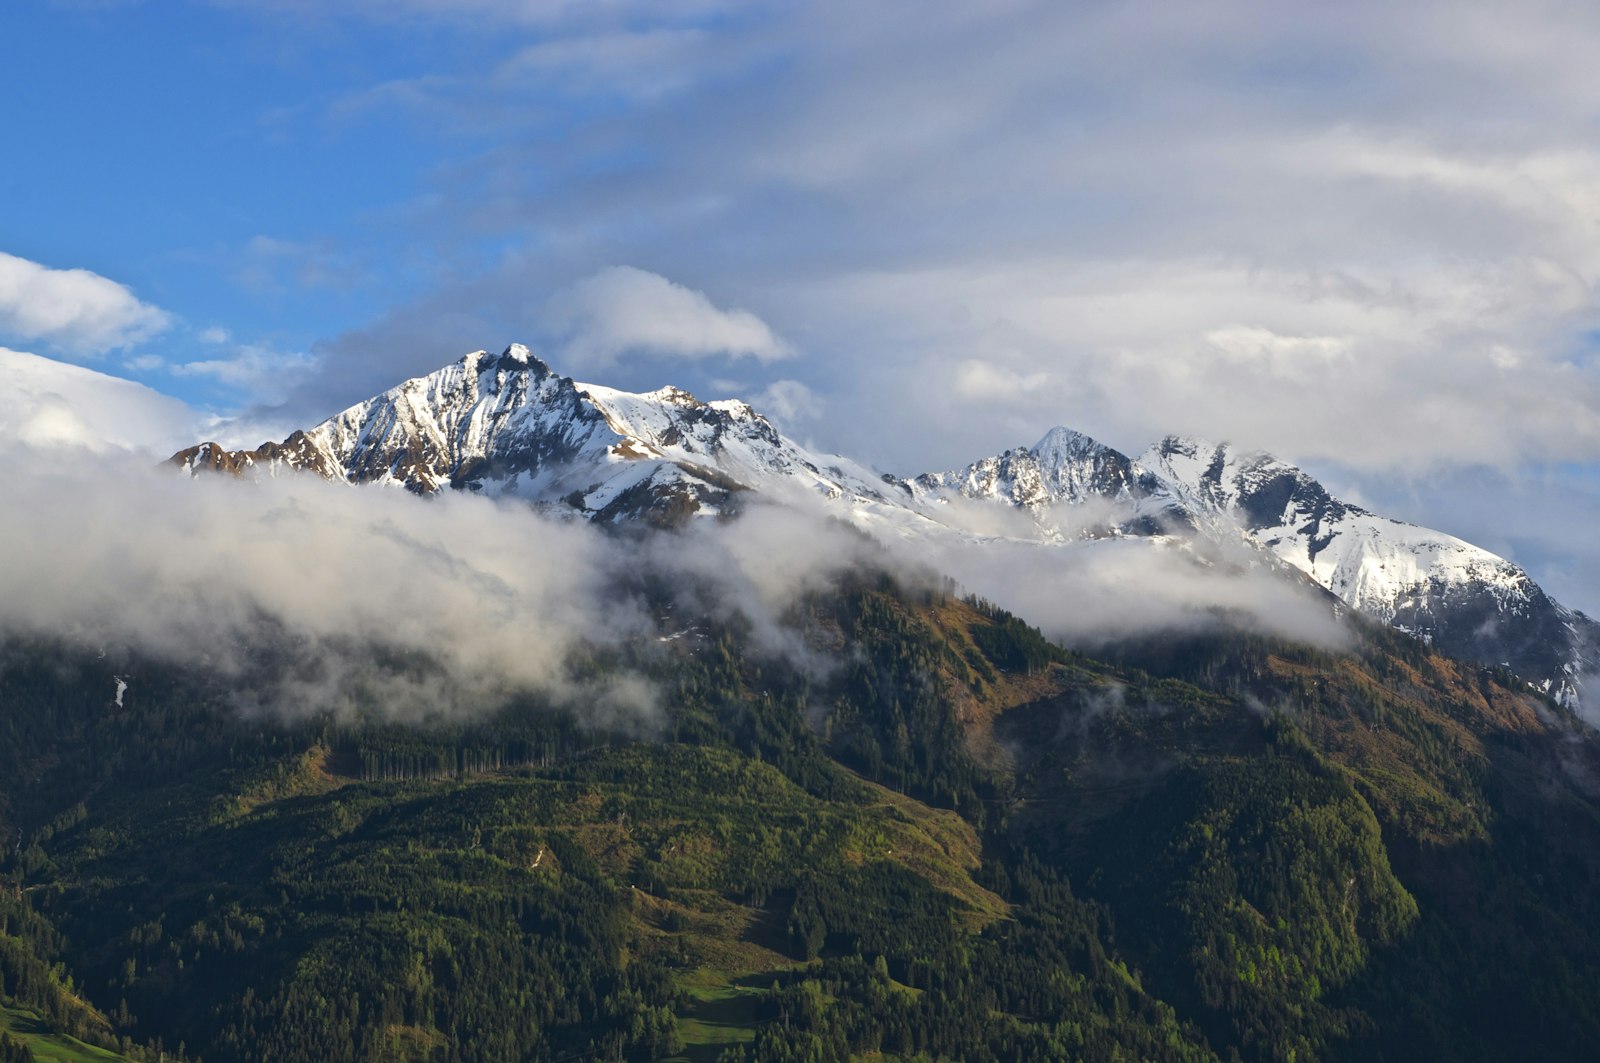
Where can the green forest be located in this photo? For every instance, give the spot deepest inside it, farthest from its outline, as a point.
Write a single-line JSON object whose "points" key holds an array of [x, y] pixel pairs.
{"points": [[955, 841]]}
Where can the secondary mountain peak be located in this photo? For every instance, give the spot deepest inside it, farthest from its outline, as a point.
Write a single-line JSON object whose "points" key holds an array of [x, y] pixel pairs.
{"points": [[1065, 467]]}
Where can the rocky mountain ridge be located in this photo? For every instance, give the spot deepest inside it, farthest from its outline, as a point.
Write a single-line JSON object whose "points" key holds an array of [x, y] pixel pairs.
{"points": [[508, 424]]}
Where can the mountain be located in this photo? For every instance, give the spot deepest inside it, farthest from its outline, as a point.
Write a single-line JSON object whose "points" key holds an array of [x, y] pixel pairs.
{"points": [[508, 425], [1064, 469], [1467, 601], [885, 822]]}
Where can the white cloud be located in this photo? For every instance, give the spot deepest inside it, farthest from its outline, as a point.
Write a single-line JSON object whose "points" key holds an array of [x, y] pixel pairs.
{"points": [[622, 310], [74, 310], [1305, 359], [480, 600], [1380, 370], [789, 402], [985, 381], [50, 403], [1089, 594]]}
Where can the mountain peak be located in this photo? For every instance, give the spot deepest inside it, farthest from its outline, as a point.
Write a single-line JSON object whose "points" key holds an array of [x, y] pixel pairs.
{"points": [[517, 358], [1189, 447], [674, 395], [508, 424], [1062, 444]]}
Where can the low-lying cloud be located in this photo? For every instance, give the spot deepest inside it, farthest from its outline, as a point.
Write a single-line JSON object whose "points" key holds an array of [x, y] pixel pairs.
{"points": [[304, 596], [1088, 594], [468, 600]]}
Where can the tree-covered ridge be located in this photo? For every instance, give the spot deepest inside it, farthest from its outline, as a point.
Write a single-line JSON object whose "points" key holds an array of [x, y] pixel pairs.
{"points": [[936, 835]]}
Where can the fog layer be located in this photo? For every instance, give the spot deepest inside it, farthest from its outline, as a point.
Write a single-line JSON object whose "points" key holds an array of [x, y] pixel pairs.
{"points": [[308, 597]]}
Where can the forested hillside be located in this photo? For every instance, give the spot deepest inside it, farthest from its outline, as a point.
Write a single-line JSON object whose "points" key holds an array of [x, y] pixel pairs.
{"points": [[934, 835]]}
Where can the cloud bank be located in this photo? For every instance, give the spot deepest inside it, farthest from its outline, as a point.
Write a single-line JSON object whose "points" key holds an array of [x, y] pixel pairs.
{"points": [[303, 597], [1090, 594], [49, 404], [306, 597]]}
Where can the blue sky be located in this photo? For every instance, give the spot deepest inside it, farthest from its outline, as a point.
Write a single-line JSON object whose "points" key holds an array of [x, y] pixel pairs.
{"points": [[1363, 236], [190, 152]]}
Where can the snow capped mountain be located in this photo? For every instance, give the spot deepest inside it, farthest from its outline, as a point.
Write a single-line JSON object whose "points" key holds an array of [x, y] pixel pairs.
{"points": [[508, 425], [1055, 481], [1465, 600]]}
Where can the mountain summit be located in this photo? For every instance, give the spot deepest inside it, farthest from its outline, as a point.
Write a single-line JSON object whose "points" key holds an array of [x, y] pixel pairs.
{"points": [[509, 425]]}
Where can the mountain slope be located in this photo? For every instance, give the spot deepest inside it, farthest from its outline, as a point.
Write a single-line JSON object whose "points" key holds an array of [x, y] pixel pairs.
{"points": [[1464, 599]]}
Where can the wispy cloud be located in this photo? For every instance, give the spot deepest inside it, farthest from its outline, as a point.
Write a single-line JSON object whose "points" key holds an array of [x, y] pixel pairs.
{"points": [[530, 13], [791, 403], [256, 369], [268, 264], [622, 310]]}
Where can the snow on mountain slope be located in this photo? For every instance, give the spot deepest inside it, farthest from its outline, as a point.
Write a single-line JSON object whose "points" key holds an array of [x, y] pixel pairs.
{"points": [[1063, 467], [1464, 599], [1373, 563], [508, 425]]}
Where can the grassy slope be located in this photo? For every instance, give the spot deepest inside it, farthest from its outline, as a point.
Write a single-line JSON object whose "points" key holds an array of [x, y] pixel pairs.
{"points": [[718, 1011], [46, 1044]]}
